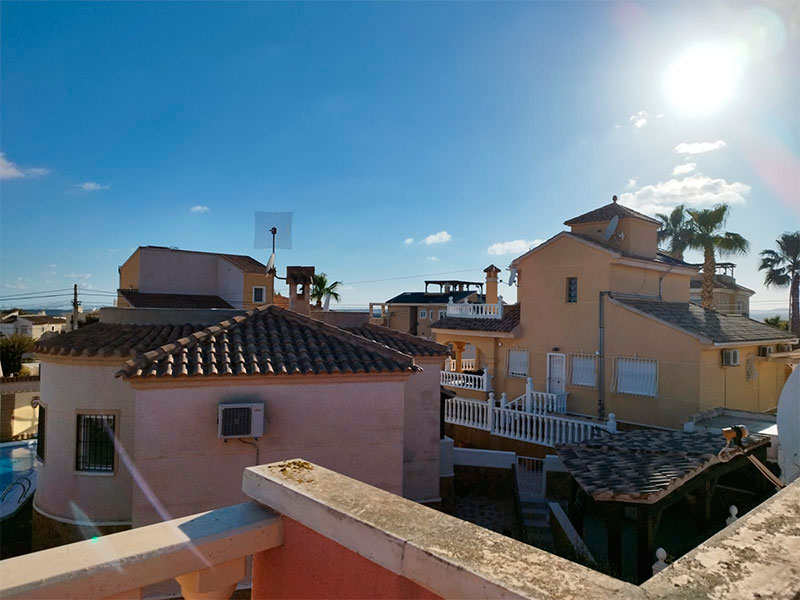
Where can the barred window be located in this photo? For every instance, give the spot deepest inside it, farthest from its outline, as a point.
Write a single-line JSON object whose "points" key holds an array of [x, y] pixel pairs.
{"points": [[94, 450], [258, 293], [572, 290], [636, 376], [583, 370], [40, 430], [518, 363]]}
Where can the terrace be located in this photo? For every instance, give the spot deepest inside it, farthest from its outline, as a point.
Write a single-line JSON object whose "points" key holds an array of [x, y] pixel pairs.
{"points": [[314, 533]]}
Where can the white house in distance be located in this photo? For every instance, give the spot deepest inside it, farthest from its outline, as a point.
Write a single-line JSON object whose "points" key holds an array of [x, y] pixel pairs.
{"points": [[31, 325], [132, 406]]}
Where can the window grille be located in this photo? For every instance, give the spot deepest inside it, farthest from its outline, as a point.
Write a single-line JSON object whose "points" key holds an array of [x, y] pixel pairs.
{"points": [[95, 443], [583, 370], [40, 430], [572, 290], [518, 363], [636, 376], [751, 372]]}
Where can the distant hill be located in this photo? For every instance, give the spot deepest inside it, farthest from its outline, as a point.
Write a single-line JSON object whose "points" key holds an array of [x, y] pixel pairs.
{"points": [[760, 315]]}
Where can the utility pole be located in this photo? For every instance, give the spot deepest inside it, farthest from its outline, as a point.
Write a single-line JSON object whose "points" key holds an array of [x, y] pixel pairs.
{"points": [[75, 305]]}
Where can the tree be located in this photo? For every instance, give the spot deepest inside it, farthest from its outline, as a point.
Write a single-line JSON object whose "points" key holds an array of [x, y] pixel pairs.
{"points": [[708, 237], [321, 287], [89, 320], [676, 229], [11, 350], [782, 269], [777, 322]]}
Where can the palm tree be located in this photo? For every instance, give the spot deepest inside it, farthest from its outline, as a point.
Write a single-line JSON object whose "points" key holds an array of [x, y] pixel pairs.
{"points": [[777, 322], [782, 268], [708, 237], [321, 287], [676, 229]]}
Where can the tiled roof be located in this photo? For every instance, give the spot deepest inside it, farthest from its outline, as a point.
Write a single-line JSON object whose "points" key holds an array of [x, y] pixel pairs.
{"points": [[248, 264], [608, 212], [402, 342], [152, 300], [717, 327], [507, 324], [113, 339], [643, 465], [719, 282], [423, 298], [41, 319], [267, 341]]}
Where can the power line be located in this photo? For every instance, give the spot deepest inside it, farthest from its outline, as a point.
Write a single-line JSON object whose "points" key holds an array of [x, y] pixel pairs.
{"points": [[410, 276]]}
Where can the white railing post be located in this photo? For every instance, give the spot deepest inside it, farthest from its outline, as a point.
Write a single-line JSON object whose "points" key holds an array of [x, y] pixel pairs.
{"points": [[499, 307], [485, 384], [529, 395], [611, 424], [660, 564], [490, 413]]}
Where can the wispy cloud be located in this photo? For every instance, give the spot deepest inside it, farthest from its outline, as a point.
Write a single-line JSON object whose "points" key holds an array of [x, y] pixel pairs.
{"points": [[699, 147], [432, 258], [512, 247], [409, 241], [91, 186], [199, 208], [639, 120], [437, 238], [18, 284], [631, 183], [684, 168], [695, 191], [10, 170], [81, 276]]}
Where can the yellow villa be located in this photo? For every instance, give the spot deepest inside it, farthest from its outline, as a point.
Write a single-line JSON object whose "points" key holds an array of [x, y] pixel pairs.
{"points": [[604, 324]]}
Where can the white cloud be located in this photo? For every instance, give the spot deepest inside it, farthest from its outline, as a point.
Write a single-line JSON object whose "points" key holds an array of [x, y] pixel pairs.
{"points": [[91, 186], [631, 183], [10, 170], [512, 247], [699, 147], [81, 276], [432, 258], [409, 241], [639, 120], [199, 208], [684, 168], [19, 284], [695, 191], [437, 238]]}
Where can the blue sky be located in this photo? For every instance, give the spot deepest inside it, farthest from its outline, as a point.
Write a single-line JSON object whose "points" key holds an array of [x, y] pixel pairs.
{"points": [[379, 123]]}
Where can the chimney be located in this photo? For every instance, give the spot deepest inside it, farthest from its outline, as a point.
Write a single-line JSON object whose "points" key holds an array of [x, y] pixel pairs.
{"points": [[491, 284], [299, 280]]}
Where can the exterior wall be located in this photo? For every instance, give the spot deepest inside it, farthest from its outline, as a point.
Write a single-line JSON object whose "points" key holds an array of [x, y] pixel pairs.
{"points": [[129, 272], [726, 300], [310, 565], [164, 271], [354, 427], [18, 417], [400, 318], [421, 431], [424, 325], [341, 318], [251, 280], [644, 281], [67, 387], [230, 284], [638, 237]]}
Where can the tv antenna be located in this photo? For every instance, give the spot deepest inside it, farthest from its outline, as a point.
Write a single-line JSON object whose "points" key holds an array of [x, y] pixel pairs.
{"points": [[273, 229]]}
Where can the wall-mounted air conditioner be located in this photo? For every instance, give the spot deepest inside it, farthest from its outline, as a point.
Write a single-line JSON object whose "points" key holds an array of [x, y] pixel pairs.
{"points": [[241, 420], [730, 358], [765, 351], [784, 347]]}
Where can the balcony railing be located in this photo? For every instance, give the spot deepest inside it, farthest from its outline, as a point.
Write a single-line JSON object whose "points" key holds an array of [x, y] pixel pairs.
{"points": [[475, 311], [466, 381], [467, 364]]}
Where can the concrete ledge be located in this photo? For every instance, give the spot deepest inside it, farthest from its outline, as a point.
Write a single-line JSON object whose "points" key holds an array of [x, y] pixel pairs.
{"points": [[449, 557], [758, 556], [473, 457], [122, 562]]}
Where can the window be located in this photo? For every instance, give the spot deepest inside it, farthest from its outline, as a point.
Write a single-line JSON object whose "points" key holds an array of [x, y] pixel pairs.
{"points": [[572, 289], [94, 450], [583, 370], [517, 363], [636, 376], [40, 432], [442, 313], [423, 314], [258, 293]]}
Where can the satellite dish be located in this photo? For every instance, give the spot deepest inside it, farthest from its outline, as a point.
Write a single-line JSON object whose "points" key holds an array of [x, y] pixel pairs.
{"points": [[513, 277], [611, 228], [271, 263], [788, 420]]}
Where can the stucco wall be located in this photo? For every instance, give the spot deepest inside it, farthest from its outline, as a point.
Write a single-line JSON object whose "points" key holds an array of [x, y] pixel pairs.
{"points": [[230, 284], [421, 431], [129, 272], [17, 415], [164, 271], [354, 428], [251, 280], [66, 389]]}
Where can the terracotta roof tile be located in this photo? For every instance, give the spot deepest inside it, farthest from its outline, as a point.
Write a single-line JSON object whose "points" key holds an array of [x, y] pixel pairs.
{"points": [[267, 340], [139, 299], [507, 324], [608, 212], [402, 342], [643, 465]]}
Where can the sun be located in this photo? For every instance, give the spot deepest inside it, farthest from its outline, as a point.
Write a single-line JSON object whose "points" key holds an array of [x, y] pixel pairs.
{"points": [[703, 78]]}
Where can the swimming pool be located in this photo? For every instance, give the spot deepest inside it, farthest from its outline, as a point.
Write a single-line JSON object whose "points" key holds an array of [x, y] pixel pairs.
{"points": [[16, 459]]}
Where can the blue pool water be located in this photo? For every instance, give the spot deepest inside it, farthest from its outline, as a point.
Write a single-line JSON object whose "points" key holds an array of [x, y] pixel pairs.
{"points": [[16, 458]]}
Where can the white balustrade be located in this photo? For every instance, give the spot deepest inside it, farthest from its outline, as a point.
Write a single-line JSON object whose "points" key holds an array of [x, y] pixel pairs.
{"points": [[475, 311], [465, 381], [468, 412], [545, 430], [467, 364]]}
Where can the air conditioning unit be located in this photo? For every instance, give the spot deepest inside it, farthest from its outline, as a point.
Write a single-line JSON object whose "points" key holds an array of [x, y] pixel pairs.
{"points": [[765, 351], [730, 358], [241, 420], [784, 347]]}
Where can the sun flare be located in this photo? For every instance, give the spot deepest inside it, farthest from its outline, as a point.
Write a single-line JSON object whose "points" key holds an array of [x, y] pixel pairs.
{"points": [[703, 78]]}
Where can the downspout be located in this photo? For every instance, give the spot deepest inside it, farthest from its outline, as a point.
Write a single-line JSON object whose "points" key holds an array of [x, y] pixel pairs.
{"points": [[601, 376]]}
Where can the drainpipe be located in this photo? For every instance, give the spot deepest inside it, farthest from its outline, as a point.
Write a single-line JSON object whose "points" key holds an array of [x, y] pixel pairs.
{"points": [[601, 362]]}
